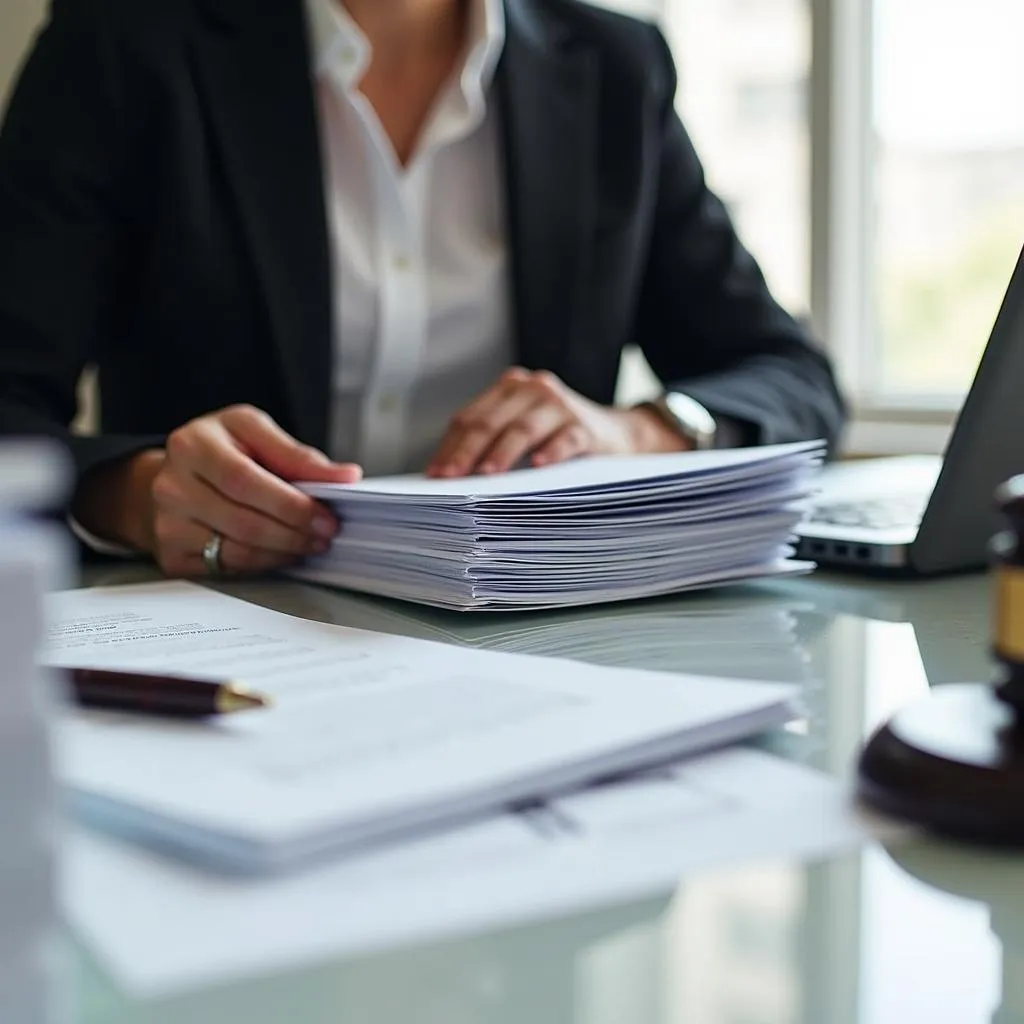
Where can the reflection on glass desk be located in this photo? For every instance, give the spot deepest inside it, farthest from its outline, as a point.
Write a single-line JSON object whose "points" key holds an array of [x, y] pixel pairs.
{"points": [[918, 932]]}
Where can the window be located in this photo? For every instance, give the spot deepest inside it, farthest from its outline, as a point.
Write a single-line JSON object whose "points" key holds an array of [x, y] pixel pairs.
{"points": [[779, 102], [948, 186], [872, 155], [743, 87]]}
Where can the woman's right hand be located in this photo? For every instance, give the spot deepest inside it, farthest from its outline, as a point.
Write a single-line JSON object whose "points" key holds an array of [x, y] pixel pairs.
{"points": [[224, 473]]}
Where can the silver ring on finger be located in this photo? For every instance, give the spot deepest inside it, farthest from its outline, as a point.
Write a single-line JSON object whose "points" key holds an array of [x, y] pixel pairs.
{"points": [[211, 554]]}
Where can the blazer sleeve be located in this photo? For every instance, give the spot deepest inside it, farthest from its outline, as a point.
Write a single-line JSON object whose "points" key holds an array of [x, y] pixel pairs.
{"points": [[706, 321], [65, 208]]}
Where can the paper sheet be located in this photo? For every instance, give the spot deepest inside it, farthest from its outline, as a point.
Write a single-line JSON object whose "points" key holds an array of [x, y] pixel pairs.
{"points": [[371, 735], [588, 531], [609, 474], [173, 928]]}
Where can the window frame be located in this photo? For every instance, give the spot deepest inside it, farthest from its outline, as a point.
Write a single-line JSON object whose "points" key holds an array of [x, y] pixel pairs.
{"points": [[844, 306]]}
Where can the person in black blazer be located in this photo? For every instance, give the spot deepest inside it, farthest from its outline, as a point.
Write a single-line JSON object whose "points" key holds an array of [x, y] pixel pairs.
{"points": [[162, 217]]}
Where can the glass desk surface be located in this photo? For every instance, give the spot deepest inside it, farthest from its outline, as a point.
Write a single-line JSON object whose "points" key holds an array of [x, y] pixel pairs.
{"points": [[920, 932]]}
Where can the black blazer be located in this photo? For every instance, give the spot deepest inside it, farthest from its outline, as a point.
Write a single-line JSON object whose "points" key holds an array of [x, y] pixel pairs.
{"points": [[162, 217]]}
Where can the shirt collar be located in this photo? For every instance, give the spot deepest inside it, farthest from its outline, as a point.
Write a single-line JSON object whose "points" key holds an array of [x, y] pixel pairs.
{"points": [[340, 48]]}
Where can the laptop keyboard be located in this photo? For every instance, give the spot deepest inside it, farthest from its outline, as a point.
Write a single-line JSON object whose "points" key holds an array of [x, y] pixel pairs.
{"points": [[895, 512]]}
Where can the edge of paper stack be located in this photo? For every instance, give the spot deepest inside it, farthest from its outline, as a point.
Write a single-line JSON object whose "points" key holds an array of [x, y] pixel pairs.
{"points": [[590, 531]]}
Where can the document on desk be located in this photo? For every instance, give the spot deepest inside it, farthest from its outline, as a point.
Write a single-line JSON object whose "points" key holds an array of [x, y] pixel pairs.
{"points": [[174, 928], [588, 531], [371, 737]]}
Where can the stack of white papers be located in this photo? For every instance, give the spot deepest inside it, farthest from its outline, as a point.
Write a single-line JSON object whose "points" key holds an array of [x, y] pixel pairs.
{"points": [[592, 530], [175, 929], [371, 737], [27, 876], [30, 562]]}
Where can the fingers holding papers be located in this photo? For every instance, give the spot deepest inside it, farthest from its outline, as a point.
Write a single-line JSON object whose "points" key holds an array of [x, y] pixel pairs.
{"points": [[228, 474], [533, 416]]}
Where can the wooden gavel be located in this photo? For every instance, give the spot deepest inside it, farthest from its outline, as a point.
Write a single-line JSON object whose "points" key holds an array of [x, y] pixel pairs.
{"points": [[954, 761]]}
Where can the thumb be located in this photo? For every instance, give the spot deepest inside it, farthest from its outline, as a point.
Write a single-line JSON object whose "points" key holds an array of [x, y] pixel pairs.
{"points": [[312, 466], [265, 442]]}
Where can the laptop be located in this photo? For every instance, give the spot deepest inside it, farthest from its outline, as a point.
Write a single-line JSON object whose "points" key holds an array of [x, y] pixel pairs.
{"points": [[926, 514]]}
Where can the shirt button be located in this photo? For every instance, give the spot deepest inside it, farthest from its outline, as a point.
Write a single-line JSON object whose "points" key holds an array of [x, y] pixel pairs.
{"points": [[387, 404]]}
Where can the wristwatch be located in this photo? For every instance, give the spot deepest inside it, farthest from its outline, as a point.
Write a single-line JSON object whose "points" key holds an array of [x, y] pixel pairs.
{"points": [[687, 416]]}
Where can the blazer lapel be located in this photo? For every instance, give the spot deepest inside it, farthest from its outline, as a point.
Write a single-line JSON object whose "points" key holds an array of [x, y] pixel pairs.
{"points": [[548, 93], [254, 65]]}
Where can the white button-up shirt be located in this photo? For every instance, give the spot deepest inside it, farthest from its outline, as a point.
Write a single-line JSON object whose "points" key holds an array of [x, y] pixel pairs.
{"points": [[420, 261]]}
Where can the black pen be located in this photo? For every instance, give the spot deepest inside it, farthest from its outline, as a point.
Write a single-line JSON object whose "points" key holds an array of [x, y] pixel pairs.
{"points": [[172, 696]]}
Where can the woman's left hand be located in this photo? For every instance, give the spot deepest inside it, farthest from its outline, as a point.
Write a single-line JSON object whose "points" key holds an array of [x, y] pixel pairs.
{"points": [[532, 415]]}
